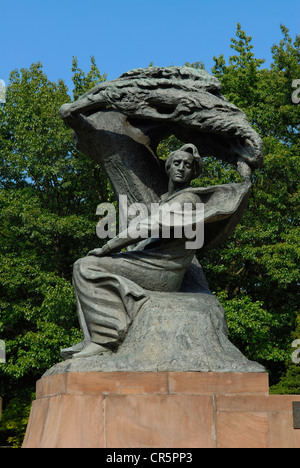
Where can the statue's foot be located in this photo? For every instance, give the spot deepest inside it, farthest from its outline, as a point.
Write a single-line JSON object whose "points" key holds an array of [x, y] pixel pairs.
{"points": [[67, 353], [92, 349]]}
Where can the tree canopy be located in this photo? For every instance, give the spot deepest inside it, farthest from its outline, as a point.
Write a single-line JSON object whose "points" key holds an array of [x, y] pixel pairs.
{"points": [[49, 192], [257, 271]]}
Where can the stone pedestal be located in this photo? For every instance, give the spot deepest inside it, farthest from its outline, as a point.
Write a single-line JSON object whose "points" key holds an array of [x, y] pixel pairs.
{"points": [[161, 410]]}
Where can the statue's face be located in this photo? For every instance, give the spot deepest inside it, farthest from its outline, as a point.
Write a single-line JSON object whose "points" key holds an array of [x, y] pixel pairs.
{"points": [[181, 168]]}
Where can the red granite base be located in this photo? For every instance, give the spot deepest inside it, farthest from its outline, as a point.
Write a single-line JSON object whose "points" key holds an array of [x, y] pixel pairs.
{"points": [[160, 409]]}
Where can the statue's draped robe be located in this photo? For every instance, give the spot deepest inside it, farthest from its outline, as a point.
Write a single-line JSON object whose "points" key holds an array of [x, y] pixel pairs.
{"points": [[111, 290]]}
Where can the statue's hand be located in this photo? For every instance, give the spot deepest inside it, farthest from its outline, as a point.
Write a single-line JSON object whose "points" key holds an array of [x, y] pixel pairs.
{"points": [[244, 169], [105, 250]]}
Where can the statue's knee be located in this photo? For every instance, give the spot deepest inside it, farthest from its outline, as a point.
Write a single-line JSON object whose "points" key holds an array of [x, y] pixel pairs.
{"points": [[85, 263], [77, 265]]}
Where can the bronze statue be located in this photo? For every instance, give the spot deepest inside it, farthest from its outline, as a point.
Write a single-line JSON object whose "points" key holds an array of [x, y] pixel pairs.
{"points": [[149, 307]]}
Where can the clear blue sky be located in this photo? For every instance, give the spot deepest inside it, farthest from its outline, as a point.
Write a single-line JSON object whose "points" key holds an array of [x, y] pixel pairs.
{"points": [[127, 34]]}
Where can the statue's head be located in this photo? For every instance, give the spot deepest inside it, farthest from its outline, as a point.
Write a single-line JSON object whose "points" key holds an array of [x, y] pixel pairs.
{"points": [[184, 165]]}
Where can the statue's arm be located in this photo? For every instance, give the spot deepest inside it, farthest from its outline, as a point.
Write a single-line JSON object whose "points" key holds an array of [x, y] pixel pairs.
{"points": [[167, 217], [244, 169], [125, 238]]}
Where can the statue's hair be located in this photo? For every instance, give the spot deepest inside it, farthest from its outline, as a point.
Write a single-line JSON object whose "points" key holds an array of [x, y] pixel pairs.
{"points": [[190, 149]]}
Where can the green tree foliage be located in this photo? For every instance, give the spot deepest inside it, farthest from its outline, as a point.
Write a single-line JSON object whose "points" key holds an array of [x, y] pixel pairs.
{"points": [[48, 197], [256, 274], [84, 82], [290, 382]]}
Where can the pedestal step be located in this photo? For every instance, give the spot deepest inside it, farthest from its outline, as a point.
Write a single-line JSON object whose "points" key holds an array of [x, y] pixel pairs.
{"points": [[160, 409]]}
